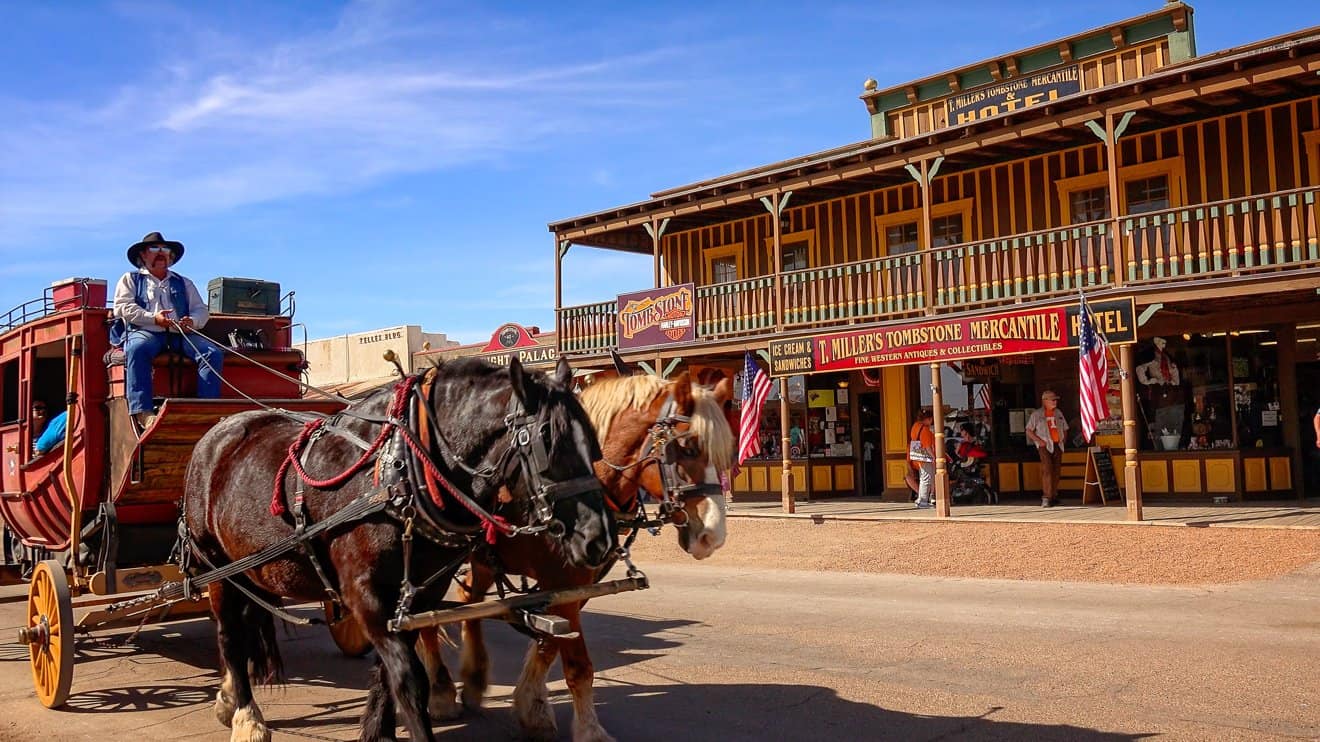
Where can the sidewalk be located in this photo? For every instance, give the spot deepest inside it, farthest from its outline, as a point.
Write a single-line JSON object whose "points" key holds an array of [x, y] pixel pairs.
{"points": [[1300, 514]]}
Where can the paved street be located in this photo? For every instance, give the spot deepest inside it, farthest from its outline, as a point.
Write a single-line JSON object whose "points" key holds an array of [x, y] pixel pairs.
{"points": [[718, 653]]}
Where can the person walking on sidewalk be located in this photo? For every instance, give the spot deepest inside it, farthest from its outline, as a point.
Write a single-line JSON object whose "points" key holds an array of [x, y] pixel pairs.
{"points": [[1047, 429]]}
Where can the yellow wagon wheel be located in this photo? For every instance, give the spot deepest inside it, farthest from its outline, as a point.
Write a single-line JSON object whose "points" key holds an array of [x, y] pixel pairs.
{"points": [[49, 633], [346, 632]]}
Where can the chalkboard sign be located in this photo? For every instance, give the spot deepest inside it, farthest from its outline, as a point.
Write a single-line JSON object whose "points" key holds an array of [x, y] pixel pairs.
{"points": [[1100, 477]]}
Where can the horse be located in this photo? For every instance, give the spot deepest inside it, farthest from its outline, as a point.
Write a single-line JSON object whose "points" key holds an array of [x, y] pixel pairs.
{"points": [[519, 442], [670, 438]]}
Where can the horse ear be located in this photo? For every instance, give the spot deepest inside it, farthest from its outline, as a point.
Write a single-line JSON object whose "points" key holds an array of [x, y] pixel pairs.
{"points": [[683, 393], [523, 385], [563, 373], [724, 391]]}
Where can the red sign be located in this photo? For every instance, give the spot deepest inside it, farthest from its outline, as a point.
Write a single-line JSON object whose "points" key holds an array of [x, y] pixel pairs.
{"points": [[657, 317], [988, 335], [509, 337]]}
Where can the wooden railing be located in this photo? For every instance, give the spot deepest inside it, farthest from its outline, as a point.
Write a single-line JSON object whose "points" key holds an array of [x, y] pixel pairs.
{"points": [[1236, 237], [1032, 265], [1260, 234], [736, 308]]}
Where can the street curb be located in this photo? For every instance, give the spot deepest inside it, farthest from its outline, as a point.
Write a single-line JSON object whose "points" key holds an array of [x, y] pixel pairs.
{"points": [[822, 517]]}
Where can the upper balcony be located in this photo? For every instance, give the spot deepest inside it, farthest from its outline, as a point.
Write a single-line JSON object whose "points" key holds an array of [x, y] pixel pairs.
{"points": [[1273, 235]]}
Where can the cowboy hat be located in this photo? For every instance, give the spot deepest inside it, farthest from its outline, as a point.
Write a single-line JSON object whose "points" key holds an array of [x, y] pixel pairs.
{"points": [[154, 238]]}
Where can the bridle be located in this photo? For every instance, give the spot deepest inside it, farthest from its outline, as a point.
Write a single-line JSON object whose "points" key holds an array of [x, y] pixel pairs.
{"points": [[663, 446], [528, 434]]}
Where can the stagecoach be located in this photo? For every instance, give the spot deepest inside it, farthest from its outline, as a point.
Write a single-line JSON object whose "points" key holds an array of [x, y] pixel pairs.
{"points": [[93, 525]]}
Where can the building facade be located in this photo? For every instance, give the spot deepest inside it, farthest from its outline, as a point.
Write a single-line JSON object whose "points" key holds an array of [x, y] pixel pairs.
{"points": [[349, 362], [941, 262]]}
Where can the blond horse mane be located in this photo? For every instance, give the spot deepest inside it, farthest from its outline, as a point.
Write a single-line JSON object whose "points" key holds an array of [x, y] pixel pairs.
{"points": [[605, 399]]}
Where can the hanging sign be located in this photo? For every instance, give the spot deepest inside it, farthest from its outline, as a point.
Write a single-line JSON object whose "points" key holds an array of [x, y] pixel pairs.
{"points": [[657, 317], [987, 335], [1013, 95]]}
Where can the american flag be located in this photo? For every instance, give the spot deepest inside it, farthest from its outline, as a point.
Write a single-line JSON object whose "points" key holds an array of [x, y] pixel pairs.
{"points": [[755, 388], [1092, 353]]}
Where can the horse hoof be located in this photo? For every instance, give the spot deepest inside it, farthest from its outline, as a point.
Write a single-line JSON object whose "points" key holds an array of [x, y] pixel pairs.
{"points": [[537, 720], [472, 697], [444, 705], [224, 709], [591, 733], [249, 726]]}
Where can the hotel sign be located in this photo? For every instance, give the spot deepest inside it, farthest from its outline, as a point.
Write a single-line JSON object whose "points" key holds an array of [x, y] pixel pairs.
{"points": [[1013, 95], [657, 317], [984, 336]]}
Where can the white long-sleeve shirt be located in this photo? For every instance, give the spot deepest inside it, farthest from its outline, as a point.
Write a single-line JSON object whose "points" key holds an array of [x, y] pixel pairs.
{"points": [[158, 299]]}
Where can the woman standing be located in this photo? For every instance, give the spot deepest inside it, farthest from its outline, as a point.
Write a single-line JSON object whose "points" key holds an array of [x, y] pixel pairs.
{"points": [[921, 456], [1048, 429]]}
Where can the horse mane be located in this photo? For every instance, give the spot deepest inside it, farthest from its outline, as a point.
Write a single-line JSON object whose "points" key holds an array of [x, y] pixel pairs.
{"points": [[605, 399]]}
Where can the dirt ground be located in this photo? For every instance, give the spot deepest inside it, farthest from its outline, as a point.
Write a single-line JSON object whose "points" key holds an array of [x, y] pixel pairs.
{"points": [[1015, 551]]}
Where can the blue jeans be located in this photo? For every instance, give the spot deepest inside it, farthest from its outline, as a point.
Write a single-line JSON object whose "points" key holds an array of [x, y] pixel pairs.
{"points": [[142, 346]]}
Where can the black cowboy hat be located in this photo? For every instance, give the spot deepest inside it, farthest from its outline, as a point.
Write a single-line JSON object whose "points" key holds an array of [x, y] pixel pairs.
{"points": [[154, 238]]}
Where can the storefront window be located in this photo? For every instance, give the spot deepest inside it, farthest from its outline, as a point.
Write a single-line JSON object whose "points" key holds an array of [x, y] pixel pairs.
{"points": [[829, 422], [769, 429], [1256, 389], [1210, 416]]}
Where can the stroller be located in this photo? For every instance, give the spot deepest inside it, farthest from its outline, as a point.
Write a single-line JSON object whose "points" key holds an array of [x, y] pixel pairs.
{"points": [[966, 485]]}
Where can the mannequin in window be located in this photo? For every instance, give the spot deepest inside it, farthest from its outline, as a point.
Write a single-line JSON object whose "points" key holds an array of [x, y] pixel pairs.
{"points": [[1163, 387]]}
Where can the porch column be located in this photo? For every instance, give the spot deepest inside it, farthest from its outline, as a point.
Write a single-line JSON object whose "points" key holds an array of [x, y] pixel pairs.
{"points": [[656, 230], [1110, 134], [775, 205], [941, 473], [561, 249], [786, 476], [1292, 416], [1131, 434]]}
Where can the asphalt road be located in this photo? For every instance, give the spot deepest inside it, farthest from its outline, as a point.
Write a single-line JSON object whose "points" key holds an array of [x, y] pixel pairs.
{"points": [[717, 653]]}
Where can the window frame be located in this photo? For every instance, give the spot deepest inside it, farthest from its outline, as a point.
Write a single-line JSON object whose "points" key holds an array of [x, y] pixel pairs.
{"points": [[883, 222], [1172, 167], [802, 235], [711, 254]]}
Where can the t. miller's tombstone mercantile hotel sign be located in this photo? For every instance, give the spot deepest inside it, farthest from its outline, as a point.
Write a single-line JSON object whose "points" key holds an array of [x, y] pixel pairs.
{"points": [[657, 317], [1013, 95], [1030, 331]]}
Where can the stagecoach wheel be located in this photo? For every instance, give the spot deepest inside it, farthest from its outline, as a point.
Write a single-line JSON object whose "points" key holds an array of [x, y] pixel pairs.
{"points": [[49, 633], [346, 632]]}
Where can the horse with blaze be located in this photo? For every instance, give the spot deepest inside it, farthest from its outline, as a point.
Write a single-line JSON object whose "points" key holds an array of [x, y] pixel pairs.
{"points": [[672, 439]]}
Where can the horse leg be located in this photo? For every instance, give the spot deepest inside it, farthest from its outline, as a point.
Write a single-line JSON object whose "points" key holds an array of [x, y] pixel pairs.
{"points": [[475, 665], [531, 700], [402, 672], [444, 697], [579, 673], [378, 721], [240, 644]]}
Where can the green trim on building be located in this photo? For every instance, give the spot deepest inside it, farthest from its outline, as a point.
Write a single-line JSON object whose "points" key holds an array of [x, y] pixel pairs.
{"points": [[936, 89], [1152, 29], [1092, 45], [1039, 60], [975, 78]]}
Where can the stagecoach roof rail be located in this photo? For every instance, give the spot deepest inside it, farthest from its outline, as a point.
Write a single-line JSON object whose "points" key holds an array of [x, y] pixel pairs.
{"points": [[27, 311]]}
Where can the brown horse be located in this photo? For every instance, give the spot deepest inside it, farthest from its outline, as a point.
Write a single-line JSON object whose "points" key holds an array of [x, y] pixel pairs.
{"points": [[669, 438], [490, 431]]}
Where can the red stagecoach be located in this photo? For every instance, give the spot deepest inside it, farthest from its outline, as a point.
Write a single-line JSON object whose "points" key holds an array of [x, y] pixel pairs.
{"points": [[96, 515]]}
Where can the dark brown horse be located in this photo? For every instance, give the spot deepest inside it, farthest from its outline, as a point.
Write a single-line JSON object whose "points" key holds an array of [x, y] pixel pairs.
{"points": [[645, 424], [491, 430]]}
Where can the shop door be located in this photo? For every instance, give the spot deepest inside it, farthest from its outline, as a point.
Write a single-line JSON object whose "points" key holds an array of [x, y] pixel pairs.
{"points": [[870, 423], [1308, 402]]}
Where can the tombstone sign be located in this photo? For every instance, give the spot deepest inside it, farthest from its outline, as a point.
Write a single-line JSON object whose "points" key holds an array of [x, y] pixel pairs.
{"points": [[1100, 477]]}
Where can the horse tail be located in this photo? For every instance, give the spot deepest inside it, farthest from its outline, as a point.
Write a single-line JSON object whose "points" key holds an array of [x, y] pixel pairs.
{"points": [[265, 664]]}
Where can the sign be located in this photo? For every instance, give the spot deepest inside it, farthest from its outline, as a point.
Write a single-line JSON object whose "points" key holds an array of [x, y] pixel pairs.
{"points": [[1013, 95], [510, 336], [1100, 478], [980, 371], [657, 317], [954, 339], [539, 355]]}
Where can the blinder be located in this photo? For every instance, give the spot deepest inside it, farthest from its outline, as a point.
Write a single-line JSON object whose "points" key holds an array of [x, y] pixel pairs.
{"points": [[665, 446], [530, 436]]}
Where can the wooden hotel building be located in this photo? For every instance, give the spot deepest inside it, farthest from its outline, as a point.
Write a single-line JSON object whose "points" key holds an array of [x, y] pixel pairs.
{"points": [[940, 262]]}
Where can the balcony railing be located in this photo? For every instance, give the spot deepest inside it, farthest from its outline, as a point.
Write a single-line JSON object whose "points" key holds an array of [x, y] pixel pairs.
{"points": [[1261, 234]]}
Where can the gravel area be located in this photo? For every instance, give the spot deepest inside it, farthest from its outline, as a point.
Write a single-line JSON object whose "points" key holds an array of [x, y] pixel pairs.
{"points": [[1015, 551]]}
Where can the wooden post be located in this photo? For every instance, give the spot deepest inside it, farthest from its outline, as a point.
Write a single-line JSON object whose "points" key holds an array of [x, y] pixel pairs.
{"points": [[1288, 410], [927, 255], [561, 249], [1115, 202], [775, 205], [1131, 434], [941, 473], [786, 476]]}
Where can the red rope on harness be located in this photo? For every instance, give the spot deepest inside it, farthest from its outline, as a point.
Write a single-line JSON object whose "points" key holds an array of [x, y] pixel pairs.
{"points": [[277, 507], [494, 524]]}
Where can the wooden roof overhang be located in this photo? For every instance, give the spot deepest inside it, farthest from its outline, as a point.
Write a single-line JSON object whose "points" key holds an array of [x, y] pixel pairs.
{"points": [[1201, 88]]}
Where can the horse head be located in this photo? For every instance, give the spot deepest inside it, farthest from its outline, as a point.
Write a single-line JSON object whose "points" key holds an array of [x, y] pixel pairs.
{"points": [[673, 440], [549, 446]]}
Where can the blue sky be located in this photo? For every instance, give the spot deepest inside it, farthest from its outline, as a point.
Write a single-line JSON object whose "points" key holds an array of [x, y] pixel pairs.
{"points": [[397, 163]]}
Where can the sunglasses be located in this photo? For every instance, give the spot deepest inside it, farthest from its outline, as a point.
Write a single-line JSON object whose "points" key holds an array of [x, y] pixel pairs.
{"points": [[157, 248]]}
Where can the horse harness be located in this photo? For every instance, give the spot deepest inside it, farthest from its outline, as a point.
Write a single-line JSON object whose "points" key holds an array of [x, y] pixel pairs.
{"points": [[404, 469]]}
